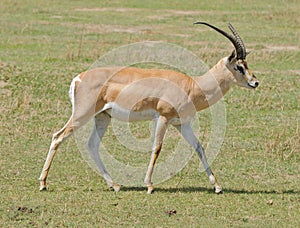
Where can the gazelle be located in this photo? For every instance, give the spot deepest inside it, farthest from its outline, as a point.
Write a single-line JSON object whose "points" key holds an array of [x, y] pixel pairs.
{"points": [[169, 97]]}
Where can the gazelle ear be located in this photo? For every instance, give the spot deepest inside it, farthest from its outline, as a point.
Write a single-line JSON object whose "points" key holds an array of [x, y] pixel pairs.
{"points": [[232, 56]]}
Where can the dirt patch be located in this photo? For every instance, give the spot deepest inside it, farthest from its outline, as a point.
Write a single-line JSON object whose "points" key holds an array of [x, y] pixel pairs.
{"points": [[142, 29], [6, 71], [6, 92], [188, 12], [297, 72], [3, 84], [101, 28], [105, 29], [283, 48], [98, 9], [159, 13]]}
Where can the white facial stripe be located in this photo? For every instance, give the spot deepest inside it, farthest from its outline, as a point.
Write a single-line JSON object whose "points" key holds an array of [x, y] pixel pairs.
{"points": [[247, 76]]}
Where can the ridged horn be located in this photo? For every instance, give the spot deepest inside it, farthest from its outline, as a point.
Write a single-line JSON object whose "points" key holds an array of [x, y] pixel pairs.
{"points": [[236, 39]]}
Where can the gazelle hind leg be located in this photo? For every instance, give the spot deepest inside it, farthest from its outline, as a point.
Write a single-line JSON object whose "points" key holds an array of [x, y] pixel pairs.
{"points": [[190, 137], [57, 139], [102, 121]]}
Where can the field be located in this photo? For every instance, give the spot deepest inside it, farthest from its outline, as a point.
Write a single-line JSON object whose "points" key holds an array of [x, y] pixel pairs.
{"points": [[44, 44]]}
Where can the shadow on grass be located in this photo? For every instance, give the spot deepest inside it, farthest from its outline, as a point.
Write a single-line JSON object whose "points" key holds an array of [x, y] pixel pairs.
{"points": [[211, 190]]}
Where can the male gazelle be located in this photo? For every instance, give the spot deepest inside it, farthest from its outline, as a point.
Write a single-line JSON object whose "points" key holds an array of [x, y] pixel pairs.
{"points": [[133, 94]]}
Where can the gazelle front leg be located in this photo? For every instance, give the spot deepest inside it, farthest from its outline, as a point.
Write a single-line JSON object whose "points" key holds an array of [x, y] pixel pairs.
{"points": [[160, 130], [189, 136]]}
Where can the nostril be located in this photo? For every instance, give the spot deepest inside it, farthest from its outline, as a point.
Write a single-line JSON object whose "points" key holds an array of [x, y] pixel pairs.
{"points": [[256, 84]]}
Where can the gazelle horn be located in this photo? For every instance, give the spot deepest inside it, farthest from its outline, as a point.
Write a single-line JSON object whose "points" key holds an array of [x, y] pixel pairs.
{"points": [[236, 39]]}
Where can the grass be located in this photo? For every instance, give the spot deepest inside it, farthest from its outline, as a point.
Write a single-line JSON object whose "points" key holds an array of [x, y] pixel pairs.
{"points": [[43, 45]]}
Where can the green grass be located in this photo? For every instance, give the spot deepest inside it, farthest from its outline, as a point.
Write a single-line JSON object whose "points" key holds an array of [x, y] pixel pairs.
{"points": [[43, 45]]}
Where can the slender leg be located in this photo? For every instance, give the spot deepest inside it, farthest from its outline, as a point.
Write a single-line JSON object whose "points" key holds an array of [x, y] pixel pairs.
{"points": [[190, 137], [57, 139], [160, 130], [102, 121]]}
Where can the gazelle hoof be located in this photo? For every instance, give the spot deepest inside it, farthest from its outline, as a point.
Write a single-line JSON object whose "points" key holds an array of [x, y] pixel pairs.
{"points": [[218, 190], [150, 189], [43, 186], [116, 187]]}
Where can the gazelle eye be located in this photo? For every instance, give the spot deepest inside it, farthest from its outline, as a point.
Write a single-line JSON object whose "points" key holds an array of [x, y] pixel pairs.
{"points": [[240, 69]]}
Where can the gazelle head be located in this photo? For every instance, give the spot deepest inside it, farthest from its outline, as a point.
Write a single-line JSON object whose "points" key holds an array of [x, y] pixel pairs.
{"points": [[237, 63]]}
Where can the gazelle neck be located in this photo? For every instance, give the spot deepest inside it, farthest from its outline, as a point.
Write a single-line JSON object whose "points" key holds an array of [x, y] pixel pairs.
{"points": [[213, 85]]}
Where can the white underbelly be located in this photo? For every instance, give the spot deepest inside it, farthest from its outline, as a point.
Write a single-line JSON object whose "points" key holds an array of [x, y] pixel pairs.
{"points": [[117, 112]]}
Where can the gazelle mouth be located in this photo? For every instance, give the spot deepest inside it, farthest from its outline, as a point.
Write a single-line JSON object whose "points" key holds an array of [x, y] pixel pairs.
{"points": [[253, 86]]}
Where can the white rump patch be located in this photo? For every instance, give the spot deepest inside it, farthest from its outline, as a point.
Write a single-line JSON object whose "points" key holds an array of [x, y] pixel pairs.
{"points": [[72, 89]]}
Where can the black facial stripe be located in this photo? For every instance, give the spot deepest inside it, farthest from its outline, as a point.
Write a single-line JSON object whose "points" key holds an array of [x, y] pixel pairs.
{"points": [[240, 69]]}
